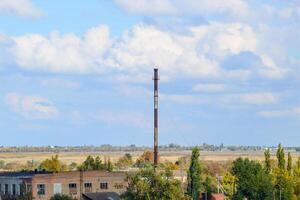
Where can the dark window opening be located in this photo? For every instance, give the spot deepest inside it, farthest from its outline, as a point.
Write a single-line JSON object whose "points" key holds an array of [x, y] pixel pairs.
{"points": [[73, 188], [41, 189], [6, 189], [88, 187], [104, 186], [14, 189]]}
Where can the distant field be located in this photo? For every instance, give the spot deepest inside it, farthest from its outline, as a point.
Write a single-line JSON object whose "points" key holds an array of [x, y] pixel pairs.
{"points": [[69, 157]]}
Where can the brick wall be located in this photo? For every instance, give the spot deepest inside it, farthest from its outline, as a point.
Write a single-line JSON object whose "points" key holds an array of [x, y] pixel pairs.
{"points": [[115, 183]]}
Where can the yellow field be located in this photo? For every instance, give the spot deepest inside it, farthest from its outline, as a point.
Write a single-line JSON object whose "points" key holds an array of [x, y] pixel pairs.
{"points": [[69, 157]]}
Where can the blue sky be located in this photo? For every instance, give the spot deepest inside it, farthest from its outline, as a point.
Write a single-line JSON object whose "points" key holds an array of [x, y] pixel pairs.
{"points": [[78, 73]]}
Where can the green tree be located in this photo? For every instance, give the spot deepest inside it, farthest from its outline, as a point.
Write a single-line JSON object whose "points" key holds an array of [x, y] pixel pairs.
{"points": [[284, 183], [53, 165], [108, 165], [148, 184], [88, 164], [208, 187], [252, 181], [228, 183], [297, 178], [98, 164], [267, 161], [290, 163], [61, 197], [280, 157], [194, 173]]}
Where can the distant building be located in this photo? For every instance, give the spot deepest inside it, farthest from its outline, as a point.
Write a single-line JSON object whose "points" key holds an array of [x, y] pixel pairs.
{"points": [[43, 185]]}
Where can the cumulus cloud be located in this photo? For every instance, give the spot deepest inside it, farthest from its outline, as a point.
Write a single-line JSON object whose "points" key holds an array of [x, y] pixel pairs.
{"points": [[136, 52], [187, 7], [31, 107], [261, 98], [21, 8], [62, 53], [146, 7]]}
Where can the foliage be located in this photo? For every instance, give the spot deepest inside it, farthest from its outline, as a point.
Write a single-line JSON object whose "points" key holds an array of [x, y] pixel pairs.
{"points": [[228, 183], [252, 182], [290, 163], [148, 184], [284, 185], [61, 197], [208, 187], [108, 165], [125, 161], [91, 163], [194, 174], [280, 157], [267, 161], [53, 165]]}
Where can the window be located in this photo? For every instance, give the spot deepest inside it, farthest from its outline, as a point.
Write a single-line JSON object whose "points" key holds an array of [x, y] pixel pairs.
{"points": [[87, 184], [103, 186], [57, 188], [14, 189], [72, 188], [22, 189], [41, 189], [88, 187], [6, 189]]}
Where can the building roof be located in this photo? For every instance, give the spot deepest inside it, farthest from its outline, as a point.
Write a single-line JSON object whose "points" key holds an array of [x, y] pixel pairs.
{"points": [[101, 196], [22, 174]]}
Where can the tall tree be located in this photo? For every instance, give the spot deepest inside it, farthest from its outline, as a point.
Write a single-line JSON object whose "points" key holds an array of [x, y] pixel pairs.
{"points": [[148, 184], [290, 163], [284, 184], [252, 181], [280, 157], [194, 174], [53, 165], [267, 161]]}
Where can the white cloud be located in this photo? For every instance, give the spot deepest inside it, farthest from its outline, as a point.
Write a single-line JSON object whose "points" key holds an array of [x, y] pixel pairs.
{"points": [[133, 55], [146, 7], [186, 7], [261, 98], [280, 113], [31, 107], [21, 8], [209, 87], [66, 53]]}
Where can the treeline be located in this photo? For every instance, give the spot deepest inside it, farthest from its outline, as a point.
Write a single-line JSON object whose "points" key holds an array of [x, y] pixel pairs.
{"points": [[249, 179], [272, 179], [133, 148]]}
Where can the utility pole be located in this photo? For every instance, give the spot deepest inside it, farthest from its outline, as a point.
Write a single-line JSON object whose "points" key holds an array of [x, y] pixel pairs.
{"points": [[155, 78]]}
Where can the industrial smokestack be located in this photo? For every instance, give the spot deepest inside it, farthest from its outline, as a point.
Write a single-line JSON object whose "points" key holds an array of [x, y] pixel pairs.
{"points": [[155, 78]]}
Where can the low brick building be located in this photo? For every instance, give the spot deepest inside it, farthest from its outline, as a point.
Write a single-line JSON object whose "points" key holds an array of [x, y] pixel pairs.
{"points": [[43, 185]]}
